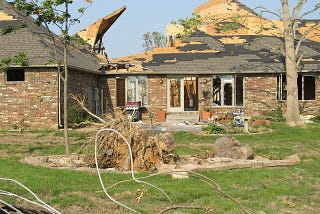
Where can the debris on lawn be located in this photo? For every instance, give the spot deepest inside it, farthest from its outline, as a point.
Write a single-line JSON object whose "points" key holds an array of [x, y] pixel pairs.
{"points": [[148, 150]]}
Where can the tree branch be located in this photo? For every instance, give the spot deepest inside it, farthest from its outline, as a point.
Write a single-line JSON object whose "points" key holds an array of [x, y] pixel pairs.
{"points": [[80, 101], [305, 35], [175, 207], [317, 7]]}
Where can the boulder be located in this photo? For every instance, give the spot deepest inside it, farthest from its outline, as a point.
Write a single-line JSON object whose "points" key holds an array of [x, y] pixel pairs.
{"points": [[231, 148]]}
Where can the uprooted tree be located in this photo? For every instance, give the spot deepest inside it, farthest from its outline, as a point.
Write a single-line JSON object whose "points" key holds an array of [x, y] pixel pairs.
{"points": [[148, 150]]}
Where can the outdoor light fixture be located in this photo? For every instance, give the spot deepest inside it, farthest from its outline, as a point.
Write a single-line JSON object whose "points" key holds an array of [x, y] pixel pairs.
{"points": [[161, 81], [205, 81]]}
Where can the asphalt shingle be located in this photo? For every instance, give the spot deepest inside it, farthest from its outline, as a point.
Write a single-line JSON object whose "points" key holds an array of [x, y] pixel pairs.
{"points": [[37, 43]]}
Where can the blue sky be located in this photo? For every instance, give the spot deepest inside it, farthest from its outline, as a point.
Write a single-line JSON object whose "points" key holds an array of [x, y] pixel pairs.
{"points": [[142, 16]]}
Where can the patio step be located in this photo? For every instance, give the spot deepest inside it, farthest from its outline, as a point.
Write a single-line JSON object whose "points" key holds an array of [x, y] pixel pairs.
{"points": [[182, 117]]}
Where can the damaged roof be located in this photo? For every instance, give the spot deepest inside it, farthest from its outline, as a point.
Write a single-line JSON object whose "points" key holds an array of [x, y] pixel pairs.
{"points": [[95, 32], [207, 54], [231, 17], [246, 48], [20, 33]]}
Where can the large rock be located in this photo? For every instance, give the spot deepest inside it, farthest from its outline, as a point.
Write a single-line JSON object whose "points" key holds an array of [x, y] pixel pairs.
{"points": [[231, 148]]}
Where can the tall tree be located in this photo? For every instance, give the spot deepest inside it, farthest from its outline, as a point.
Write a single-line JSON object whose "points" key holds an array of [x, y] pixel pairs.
{"points": [[292, 58], [292, 113], [56, 13]]}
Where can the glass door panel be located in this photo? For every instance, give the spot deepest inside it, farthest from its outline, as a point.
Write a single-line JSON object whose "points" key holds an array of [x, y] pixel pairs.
{"points": [[175, 94]]}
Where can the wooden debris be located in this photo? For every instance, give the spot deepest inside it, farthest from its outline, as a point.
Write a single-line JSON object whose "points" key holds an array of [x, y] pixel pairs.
{"points": [[147, 150]]}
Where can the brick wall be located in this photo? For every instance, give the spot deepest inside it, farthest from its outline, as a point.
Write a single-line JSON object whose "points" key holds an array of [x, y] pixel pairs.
{"points": [[32, 102], [157, 93], [86, 85], [260, 93]]}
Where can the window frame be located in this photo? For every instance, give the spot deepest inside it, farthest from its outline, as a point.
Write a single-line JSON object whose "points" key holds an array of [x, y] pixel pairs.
{"points": [[301, 79], [219, 96], [15, 78], [140, 84]]}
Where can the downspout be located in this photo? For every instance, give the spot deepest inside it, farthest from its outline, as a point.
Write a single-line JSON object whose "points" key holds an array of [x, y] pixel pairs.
{"points": [[59, 99]]}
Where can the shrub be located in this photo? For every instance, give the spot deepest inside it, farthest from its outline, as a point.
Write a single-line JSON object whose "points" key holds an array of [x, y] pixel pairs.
{"points": [[77, 115], [316, 118], [276, 115], [213, 128]]}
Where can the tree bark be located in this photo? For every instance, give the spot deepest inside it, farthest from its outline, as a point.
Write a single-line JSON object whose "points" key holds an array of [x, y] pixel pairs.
{"points": [[65, 88], [292, 113]]}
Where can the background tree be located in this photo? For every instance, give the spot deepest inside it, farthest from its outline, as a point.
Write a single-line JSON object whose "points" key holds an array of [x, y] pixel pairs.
{"points": [[55, 13], [153, 40]]}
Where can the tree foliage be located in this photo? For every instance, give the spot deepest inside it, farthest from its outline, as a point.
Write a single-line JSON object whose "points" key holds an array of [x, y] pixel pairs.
{"points": [[189, 24]]}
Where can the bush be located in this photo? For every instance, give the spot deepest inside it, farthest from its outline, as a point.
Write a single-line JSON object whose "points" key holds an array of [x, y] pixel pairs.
{"points": [[276, 115], [213, 128], [316, 118], [77, 115]]}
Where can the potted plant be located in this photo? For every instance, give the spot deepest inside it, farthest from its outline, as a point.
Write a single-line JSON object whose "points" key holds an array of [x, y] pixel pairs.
{"points": [[261, 120], [161, 116], [205, 114]]}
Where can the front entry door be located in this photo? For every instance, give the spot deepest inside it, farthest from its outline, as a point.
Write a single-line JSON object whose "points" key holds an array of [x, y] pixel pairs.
{"points": [[182, 93], [175, 94]]}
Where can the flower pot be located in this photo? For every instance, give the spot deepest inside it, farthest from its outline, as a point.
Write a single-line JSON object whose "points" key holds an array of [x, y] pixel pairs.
{"points": [[258, 122], [267, 122], [205, 115], [161, 116]]}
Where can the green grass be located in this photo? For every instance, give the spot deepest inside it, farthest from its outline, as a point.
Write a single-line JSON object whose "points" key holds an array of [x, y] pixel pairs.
{"points": [[294, 189]]}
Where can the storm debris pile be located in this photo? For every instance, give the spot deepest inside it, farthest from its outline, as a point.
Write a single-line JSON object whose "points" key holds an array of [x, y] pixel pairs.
{"points": [[148, 150]]}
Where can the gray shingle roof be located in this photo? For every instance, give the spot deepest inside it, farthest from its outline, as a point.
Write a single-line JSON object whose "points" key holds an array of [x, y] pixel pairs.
{"points": [[257, 55], [36, 43]]}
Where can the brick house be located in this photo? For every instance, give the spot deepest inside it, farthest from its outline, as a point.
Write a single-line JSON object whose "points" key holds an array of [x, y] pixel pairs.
{"points": [[219, 71], [31, 93]]}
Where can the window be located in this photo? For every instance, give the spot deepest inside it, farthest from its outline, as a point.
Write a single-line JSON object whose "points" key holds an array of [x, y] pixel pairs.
{"points": [[306, 87], [227, 90], [132, 89], [137, 89], [15, 75]]}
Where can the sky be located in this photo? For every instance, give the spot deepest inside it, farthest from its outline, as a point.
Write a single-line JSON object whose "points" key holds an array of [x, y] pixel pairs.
{"points": [[141, 16]]}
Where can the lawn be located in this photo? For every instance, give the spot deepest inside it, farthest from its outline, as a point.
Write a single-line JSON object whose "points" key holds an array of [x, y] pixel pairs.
{"points": [[294, 189]]}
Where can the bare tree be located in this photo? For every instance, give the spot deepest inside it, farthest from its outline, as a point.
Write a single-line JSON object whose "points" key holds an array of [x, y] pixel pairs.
{"points": [[292, 58], [55, 12]]}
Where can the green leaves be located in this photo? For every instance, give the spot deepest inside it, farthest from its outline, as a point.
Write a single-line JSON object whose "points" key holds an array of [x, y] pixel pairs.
{"points": [[49, 11], [189, 25], [21, 59]]}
